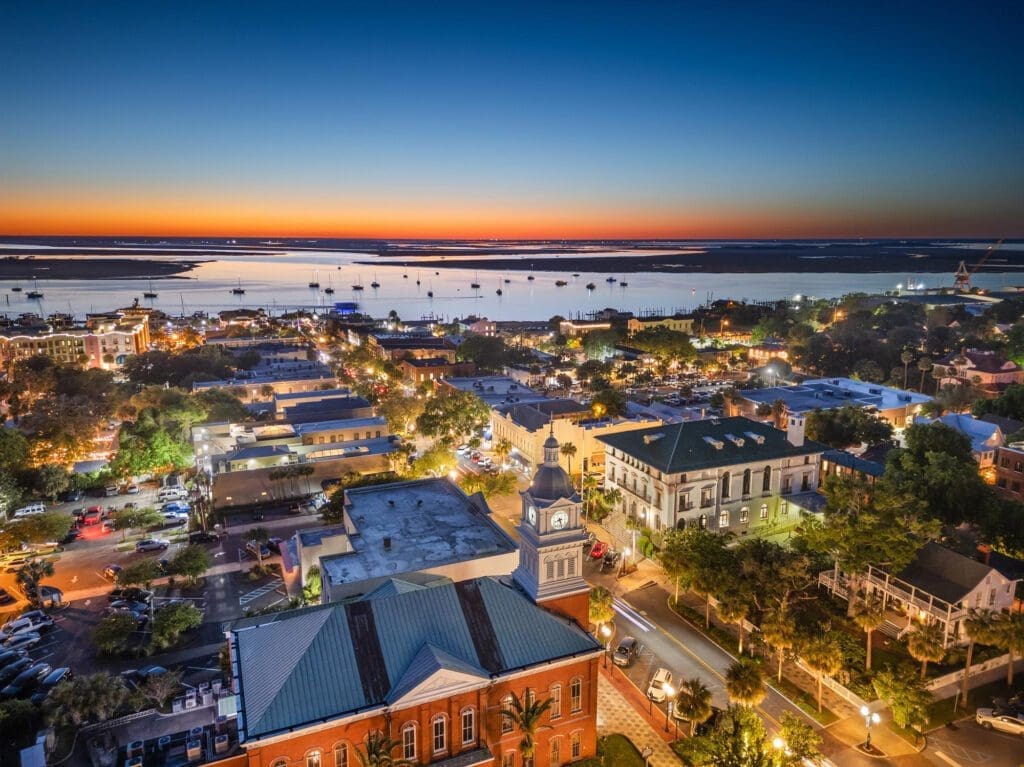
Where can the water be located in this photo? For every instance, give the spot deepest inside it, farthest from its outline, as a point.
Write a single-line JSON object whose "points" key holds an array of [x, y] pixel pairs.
{"points": [[280, 282]]}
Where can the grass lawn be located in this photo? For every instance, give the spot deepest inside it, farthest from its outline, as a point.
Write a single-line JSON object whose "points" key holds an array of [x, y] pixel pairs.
{"points": [[619, 751], [805, 700]]}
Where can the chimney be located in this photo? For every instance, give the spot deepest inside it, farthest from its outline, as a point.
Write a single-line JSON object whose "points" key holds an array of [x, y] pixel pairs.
{"points": [[984, 553], [795, 429]]}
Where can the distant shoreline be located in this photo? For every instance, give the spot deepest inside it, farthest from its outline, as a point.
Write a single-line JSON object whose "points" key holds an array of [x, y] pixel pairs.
{"points": [[87, 268]]}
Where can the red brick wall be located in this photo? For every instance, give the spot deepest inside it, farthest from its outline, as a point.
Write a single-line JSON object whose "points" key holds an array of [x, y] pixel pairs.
{"points": [[488, 726]]}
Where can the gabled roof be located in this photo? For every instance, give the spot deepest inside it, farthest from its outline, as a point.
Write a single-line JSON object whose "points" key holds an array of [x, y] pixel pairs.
{"points": [[851, 461], [681, 447], [982, 360], [982, 434], [944, 573], [304, 666]]}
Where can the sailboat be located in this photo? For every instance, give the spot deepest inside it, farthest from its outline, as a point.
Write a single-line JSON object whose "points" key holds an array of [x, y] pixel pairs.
{"points": [[150, 293], [315, 283], [610, 279], [238, 291], [560, 283], [498, 291], [330, 286], [591, 286], [475, 284], [16, 288], [35, 292], [430, 293], [358, 285], [374, 284]]}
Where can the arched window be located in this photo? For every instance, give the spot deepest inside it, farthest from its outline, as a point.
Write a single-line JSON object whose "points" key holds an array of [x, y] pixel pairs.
{"points": [[744, 514], [280, 763], [725, 485], [313, 759], [555, 693], [723, 518], [766, 483], [468, 726], [409, 741], [575, 745], [439, 733], [341, 755], [556, 751], [576, 694], [764, 511], [506, 721], [746, 482], [703, 521]]}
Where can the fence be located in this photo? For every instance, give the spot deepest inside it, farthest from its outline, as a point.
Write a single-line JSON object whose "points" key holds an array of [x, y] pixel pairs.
{"points": [[978, 668], [106, 725], [829, 683]]}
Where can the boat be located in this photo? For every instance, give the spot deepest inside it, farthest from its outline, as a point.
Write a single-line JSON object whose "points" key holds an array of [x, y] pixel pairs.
{"points": [[330, 287], [315, 282], [529, 276], [507, 281], [624, 284], [16, 289], [591, 286], [560, 283], [475, 284], [610, 279], [150, 293], [357, 286], [238, 291], [575, 274], [375, 284], [35, 293], [430, 294], [498, 291]]}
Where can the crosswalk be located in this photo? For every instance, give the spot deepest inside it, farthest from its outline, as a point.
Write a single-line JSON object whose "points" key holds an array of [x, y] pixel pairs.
{"points": [[255, 594]]}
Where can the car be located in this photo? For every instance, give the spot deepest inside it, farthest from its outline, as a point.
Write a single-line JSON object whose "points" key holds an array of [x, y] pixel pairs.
{"points": [[656, 689], [110, 491], [131, 593], [110, 572], [135, 677], [92, 516], [151, 544], [14, 564], [72, 496], [1007, 722], [50, 681], [626, 652], [598, 550], [11, 670], [611, 559], [8, 657], [52, 597], [171, 518], [73, 535], [132, 489], [203, 536], [130, 506], [122, 605], [176, 507], [26, 681], [462, 449], [252, 547], [38, 621], [274, 544], [141, 617], [22, 641]]}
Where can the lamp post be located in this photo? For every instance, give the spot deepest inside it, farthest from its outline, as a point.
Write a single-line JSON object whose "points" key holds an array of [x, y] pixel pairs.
{"points": [[669, 696], [870, 718], [606, 633], [780, 748]]}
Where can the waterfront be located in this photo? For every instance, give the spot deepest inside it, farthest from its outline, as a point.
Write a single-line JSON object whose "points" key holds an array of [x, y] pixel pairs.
{"points": [[279, 281]]}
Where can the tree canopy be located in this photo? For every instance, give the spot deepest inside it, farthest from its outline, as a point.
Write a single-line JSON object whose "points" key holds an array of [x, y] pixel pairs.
{"points": [[847, 426]]}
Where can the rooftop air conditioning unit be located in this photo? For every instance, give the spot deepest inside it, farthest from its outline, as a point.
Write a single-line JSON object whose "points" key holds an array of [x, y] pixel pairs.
{"points": [[135, 761], [134, 748], [220, 744], [194, 750]]}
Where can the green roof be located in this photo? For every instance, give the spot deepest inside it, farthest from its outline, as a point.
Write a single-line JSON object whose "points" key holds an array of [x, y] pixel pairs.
{"points": [[681, 447], [320, 663]]}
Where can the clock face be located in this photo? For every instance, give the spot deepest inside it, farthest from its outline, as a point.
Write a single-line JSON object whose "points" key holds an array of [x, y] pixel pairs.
{"points": [[559, 520], [531, 515]]}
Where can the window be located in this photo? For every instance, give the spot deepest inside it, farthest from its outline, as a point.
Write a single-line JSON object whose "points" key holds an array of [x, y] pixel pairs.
{"points": [[508, 759], [746, 482], [506, 720], [784, 508], [805, 483], [723, 518], [440, 734], [744, 512], [764, 511], [313, 759], [766, 482], [556, 751], [571, 562], [550, 569], [725, 485], [575, 745], [576, 694], [409, 741], [787, 485], [280, 763], [529, 697], [555, 693], [341, 755], [468, 726], [705, 497], [703, 521]]}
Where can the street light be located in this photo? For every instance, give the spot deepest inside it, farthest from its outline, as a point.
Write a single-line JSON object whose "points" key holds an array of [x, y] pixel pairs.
{"points": [[870, 718], [670, 692], [606, 633]]}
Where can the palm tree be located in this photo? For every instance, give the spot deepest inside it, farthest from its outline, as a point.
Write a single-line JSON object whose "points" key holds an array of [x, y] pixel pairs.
{"points": [[93, 698], [980, 627], [502, 449], [568, 449], [779, 412], [30, 577], [377, 752], [924, 365], [869, 614], [1009, 635], [258, 535], [601, 608], [824, 655], [926, 643], [779, 631], [906, 357], [744, 682], [526, 717], [733, 608], [694, 702]]}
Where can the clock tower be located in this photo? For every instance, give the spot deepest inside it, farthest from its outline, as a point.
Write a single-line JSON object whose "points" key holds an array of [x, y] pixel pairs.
{"points": [[551, 540]]}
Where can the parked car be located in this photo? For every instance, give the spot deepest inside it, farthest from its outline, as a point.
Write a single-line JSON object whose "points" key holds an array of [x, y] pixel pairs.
{"points": [[656, 689], [130, 505], [598, 550], [26, 681], [93, 515], [611, 559], [135, 677], [274, 544], [626, 652], [50, 681], [22, 641], [704, 727], [203, 536], [136, 610], [991, 719], [462, 449], [171, 518], [132, 489], [11, 670], [34, 620], [111, 572], [73, 535], [110, 491], [7, 657], [14, 564], [252, 547], [131, 593], [151, 544], [72, 496], [176, 507]]}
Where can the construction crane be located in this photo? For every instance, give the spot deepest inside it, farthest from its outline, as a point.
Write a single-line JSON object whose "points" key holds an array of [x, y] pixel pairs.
{"points": [[962, 276]]}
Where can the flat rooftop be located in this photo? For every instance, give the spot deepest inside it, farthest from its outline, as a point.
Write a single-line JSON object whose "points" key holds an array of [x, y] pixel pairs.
{"points": [[829, 393], [430, 523], [496, 390]]}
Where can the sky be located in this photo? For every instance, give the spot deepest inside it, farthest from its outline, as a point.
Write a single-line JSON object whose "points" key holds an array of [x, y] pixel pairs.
{"points": [[517, 120]]}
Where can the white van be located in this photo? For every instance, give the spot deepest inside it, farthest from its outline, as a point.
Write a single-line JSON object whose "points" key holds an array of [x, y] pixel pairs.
{"points": [[172, 494], [28, 511]]}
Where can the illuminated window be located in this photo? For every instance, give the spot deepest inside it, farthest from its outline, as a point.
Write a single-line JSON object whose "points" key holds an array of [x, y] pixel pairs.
{"points": [[555, 709], [575, 745], [576, 694], [341, 755], [409, 741], [313, 759], [506, 720], [440, 733], [468, 726]]}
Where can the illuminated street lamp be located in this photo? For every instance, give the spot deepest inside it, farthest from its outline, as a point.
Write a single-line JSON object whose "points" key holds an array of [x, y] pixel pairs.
{"points": [[670, 693], [870, 718], [606, 634]]}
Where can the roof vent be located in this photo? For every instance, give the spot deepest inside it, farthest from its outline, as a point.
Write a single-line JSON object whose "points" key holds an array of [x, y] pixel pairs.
{"points": [[390, 502], [737, 441], [649, 438], [758, 438], [715, 443]]}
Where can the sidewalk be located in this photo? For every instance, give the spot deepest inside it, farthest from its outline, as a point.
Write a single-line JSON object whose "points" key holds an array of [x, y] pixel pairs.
{"points": [[616, 714]]}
